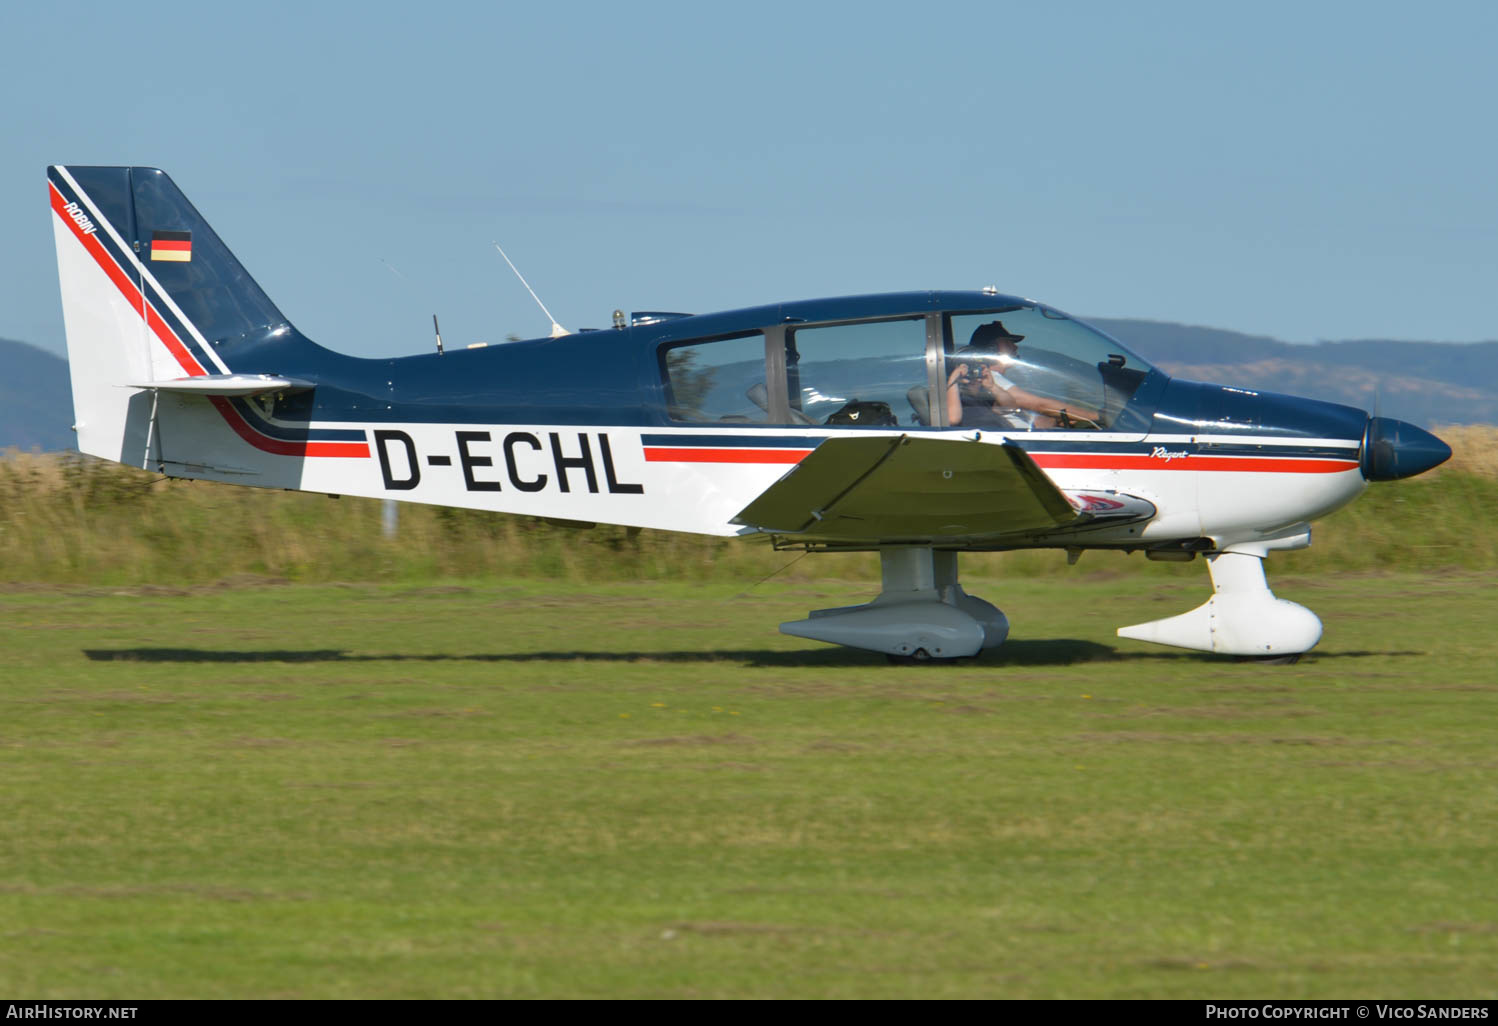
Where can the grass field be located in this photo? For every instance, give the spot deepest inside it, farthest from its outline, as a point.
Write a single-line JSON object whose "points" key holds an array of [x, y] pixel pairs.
{"points": [[515, 789]]}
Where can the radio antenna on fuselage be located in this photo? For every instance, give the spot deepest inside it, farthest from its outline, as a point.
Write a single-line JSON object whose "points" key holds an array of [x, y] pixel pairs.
{"points": [[557, 331]]}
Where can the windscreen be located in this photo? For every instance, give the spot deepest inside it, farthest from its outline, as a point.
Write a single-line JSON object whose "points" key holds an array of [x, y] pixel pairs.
{"points": [[1068, 374]]}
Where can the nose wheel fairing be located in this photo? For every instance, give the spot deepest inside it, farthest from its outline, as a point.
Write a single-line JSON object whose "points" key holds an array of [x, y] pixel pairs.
{"points": [[1243, 617]]}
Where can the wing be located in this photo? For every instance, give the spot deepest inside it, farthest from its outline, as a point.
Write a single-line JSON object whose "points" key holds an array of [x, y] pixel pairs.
{"points": [[885, 490]]}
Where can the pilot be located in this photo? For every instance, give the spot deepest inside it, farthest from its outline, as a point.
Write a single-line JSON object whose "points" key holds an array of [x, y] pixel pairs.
{"points": [[980, 395]]}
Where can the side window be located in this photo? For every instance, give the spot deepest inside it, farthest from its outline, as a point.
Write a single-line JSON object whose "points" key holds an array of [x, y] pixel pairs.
{"points": [[719, 381], [859, 375]]}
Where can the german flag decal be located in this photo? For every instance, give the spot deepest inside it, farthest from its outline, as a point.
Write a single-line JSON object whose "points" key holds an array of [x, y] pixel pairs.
{"points": [[171, 246]]}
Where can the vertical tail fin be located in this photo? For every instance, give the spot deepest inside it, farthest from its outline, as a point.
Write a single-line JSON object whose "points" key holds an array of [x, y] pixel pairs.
{"points": [[149, 293]]}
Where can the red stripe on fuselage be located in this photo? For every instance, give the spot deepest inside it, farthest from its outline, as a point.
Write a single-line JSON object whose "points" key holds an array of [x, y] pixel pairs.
{"points": [[670, 454], [1227, 464], [280, 447], [1048, 461], [185, 359]]}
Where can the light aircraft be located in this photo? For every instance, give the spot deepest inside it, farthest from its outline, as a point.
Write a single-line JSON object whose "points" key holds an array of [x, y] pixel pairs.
{"points": [[858, 423]]}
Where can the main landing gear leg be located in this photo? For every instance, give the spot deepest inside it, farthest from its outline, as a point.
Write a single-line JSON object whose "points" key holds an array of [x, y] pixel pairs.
{"points": [[1242, 618], [921, 613]]}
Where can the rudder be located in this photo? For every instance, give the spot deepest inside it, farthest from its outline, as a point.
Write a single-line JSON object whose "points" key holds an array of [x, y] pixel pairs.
{"points": [[150, 293]]}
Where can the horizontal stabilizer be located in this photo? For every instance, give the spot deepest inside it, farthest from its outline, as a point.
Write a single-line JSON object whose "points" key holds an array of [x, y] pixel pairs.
{"points": [[226, 385], [906, 489]]}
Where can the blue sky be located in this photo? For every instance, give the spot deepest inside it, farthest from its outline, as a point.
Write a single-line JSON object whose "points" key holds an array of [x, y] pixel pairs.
{"points": [[1302, 170]]}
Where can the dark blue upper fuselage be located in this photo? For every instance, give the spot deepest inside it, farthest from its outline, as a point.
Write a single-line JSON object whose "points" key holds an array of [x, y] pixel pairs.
{"points": [[608, 376], [612, 376]]}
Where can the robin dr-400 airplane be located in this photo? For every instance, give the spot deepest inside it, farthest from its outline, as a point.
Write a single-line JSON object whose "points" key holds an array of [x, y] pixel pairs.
{"points": [[918, 425]]}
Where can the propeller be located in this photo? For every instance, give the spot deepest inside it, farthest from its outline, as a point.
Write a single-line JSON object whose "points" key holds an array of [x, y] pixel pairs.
{"points": [[1393, 449]]}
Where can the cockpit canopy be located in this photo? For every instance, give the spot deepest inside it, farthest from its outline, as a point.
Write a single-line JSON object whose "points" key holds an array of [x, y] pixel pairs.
{"points": [[901, 370]]}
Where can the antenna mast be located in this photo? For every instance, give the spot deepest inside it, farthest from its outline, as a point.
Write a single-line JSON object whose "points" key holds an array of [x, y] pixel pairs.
{"points": [[557, 331]]}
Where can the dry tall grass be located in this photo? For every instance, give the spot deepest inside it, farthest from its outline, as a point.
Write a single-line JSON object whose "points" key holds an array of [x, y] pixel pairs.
{"points": [[1474, 449], [67, 518]]}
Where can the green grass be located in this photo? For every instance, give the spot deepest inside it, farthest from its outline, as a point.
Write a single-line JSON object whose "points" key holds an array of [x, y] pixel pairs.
{"points": [[249, 747], [524, 789]]}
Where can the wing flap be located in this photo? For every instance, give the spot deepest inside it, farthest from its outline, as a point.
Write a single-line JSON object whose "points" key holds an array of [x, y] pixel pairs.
{"points": [[884, 489]]}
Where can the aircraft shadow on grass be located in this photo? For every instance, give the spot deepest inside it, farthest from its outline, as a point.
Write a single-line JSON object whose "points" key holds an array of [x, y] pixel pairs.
{"points": [[1056, 652]]}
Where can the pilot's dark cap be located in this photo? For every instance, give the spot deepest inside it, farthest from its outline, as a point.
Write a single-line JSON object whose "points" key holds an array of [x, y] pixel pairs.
{"points": [[991, 334]]}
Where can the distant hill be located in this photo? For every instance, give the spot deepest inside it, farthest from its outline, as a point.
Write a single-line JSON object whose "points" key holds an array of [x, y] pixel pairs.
{"points": [[1426, 383], [1422, 382], [36, 402]]}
